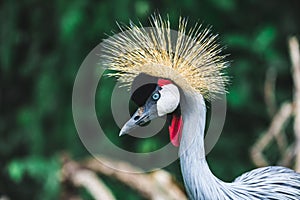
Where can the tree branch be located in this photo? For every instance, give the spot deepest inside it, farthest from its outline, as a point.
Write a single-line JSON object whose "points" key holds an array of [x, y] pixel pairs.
{"points": [[156, 185], [80, 177], [275, 128], [269, 91], [295, 58]]}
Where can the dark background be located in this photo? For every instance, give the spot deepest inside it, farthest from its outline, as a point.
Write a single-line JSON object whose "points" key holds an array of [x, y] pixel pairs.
{"points": [[43, 44]]}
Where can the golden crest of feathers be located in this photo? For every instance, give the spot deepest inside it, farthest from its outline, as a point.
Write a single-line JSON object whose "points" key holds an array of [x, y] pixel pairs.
{"points": [[190, 58]]}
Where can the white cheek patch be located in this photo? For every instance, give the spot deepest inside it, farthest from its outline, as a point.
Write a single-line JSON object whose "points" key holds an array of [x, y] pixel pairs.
{"points": [[169, 99]]}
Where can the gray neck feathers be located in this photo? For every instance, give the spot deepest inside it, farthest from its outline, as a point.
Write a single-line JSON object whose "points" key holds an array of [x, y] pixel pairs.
{"points": [[262, 183], [199, 181]]}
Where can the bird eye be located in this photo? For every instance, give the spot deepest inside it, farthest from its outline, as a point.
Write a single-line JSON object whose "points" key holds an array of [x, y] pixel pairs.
{"points": [[156, 96]]}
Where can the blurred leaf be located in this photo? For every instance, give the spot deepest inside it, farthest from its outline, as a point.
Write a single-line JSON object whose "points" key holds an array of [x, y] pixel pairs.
{"points": [[226, 5], [264, 39], [147, 145], [43, 171], [70, 21], [237, 41], [142, 7], [16, 171]]}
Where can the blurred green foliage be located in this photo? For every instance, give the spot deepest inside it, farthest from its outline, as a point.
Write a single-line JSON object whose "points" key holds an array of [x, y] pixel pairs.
{"points": [[43, 44]]}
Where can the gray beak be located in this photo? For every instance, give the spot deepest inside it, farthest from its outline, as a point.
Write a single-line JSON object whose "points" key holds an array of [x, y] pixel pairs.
{"points": [[140, 117]]}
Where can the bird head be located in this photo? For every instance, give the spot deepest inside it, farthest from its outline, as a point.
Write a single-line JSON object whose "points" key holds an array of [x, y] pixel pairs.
{"points": [[188, 61], [163, 100]]}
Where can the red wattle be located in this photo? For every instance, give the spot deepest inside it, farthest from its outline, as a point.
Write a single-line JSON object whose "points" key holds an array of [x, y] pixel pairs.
{"points": [[175, 130]]}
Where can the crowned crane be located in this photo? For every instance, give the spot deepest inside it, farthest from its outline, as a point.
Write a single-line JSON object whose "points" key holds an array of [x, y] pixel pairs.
{"points": [[186, 72]]}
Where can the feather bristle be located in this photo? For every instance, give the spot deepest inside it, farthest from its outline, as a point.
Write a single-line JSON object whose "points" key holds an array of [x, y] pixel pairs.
{"points": [[194, 62]]}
